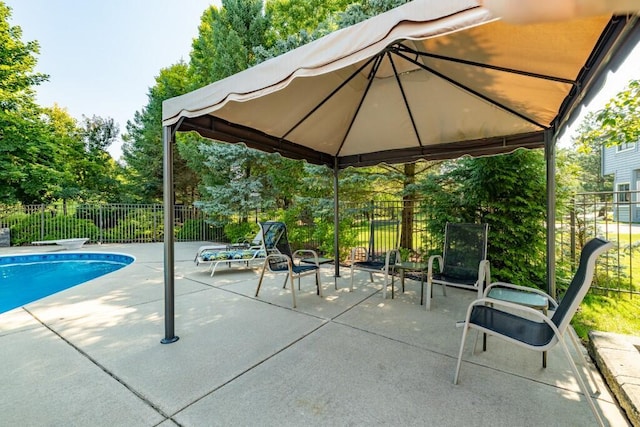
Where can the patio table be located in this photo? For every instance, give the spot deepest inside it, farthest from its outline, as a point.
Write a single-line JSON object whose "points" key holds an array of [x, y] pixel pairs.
{"points": [[420, 267], [527, 299]]}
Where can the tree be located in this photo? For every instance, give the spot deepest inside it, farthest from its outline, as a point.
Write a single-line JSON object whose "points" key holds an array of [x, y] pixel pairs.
{"points": [[585, 159], [298, 22], [101, 173], [235, 187], [617, 123], [365, 9], [234, 178], [143, 149], [293, 17], [63, 133], [226, 39], [507, 192], [17, 63], [27, 165]]}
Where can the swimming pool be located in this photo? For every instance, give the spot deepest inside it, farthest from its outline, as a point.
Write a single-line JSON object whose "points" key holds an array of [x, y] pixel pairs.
{"points": [[27, 278]]}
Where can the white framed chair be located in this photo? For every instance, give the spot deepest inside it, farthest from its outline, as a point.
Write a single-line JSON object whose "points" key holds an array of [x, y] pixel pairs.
{"points": [[532, 329], [381, 254], [463, 262], [282, 260]]}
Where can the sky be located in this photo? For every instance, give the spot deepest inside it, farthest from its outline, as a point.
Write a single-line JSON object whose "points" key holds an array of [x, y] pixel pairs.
{"points": [[103, 56]]}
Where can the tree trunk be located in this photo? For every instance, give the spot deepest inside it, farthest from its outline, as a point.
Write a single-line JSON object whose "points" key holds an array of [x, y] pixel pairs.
{"points": [[408, 204]]}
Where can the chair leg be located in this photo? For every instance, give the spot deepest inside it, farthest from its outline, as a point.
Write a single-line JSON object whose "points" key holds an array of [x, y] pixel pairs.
{"points": [[583, 359], [351, 289], [264, 267], [464, 338], [581, 383], [214, 265], [319, 291], [293, 288], [384, 286], [428, 295]]}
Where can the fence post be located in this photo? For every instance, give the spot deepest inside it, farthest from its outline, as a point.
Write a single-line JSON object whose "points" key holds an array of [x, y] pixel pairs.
{"points": [[101, 223], [154, 210], [42, 222], [572, 234], [550, 157]]}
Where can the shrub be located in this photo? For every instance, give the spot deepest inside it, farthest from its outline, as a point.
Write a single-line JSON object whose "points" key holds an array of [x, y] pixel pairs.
{"points": [[31, 227], [199, 229], [239, 232], [139, 225]]}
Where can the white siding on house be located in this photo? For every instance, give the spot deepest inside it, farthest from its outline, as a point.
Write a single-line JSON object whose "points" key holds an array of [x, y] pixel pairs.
{"points": [[620, 163], [624, 163]]}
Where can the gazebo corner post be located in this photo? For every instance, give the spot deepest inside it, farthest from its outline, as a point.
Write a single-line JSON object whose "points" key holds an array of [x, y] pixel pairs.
{"points": [[550, 159], [169, 270], [336, 222]]}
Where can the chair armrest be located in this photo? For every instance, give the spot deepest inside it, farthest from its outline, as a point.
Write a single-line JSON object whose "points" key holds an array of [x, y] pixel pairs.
{"points": [[430, 264], [496, 303], [387, 259], [552, 301], [398, 256], [484, 272], [313, 253]]}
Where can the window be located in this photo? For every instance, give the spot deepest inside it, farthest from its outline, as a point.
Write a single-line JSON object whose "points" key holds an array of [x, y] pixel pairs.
{"points": [[623, 193], [625, 146]]}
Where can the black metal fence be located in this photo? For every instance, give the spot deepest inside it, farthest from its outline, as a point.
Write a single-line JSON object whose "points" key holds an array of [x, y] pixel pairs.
{"points": [[104, 223], [612, 215]]}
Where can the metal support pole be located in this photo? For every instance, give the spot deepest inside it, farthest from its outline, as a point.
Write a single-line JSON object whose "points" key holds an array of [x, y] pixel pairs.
{"points": [[336, 223], [550, 157], [169, 276]]}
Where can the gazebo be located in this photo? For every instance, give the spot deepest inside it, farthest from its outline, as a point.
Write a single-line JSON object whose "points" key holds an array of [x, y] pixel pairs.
{"points": [[427, 80]]}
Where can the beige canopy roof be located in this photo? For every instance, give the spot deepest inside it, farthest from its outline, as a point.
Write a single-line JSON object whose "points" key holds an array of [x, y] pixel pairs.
{"points": [[430, 79]]}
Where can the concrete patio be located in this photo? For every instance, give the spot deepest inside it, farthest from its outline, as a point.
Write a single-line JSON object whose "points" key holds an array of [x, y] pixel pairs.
{"points": [[91, 355]]}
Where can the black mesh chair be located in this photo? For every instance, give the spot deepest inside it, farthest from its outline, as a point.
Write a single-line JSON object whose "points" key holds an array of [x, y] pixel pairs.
{"points": [[282, 260], [463, 262], [381, 254], [530, 328]]}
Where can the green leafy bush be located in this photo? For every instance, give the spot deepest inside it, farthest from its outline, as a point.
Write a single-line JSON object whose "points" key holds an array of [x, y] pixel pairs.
{"points": [[199, 229], [509, 193], [239, 232], [139, 225], [54, 227]]}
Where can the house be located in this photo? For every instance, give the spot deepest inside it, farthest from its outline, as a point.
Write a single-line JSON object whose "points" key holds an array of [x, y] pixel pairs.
{"points": [[623, 161]]}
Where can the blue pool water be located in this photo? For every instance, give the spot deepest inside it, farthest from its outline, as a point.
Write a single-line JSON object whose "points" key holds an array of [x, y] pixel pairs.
{"points": [[27, 278]]}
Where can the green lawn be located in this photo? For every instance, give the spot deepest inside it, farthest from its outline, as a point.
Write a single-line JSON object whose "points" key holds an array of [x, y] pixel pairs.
{"points": [[619, 314]]}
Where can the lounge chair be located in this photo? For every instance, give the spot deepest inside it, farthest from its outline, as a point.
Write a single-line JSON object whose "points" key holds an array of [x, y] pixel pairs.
{"points": [[203, 254], [282, 260], [248, 255], [532, 329], [382, 253], [463, 262]]}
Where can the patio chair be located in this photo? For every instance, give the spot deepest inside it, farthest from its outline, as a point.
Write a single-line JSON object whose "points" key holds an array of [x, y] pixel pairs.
{"points": [[252, 254], [282, 260], [463, 262], [532, 329], [382, 253]]}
